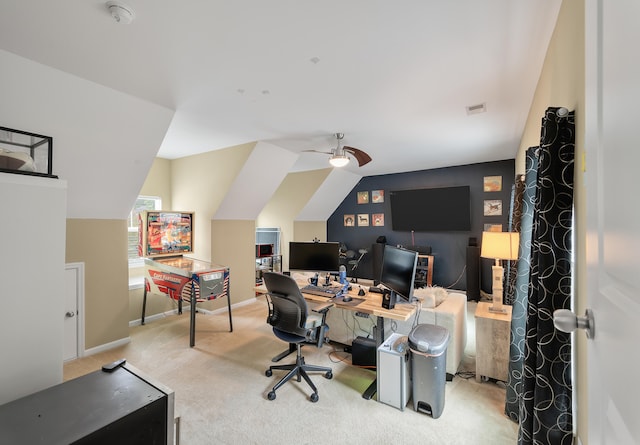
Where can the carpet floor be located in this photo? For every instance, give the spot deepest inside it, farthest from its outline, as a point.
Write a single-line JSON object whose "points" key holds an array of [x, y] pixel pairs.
{"points": [[221, 389]]}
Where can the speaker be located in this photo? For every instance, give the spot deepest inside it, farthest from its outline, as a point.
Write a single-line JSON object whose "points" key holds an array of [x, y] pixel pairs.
{"points": [[377, 251], [363, 352], [473, 273], [389, 300]]}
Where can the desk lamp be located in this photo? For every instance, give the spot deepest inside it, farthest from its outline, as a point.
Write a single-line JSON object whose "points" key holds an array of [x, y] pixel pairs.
{"points": [[500, 246]]}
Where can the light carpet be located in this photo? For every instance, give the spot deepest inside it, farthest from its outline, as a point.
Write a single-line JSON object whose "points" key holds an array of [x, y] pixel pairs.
{"points": [[221, 389]]}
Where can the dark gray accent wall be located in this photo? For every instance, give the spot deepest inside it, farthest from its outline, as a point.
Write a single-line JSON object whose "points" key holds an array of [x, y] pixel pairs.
{"points": [[449, 248]]}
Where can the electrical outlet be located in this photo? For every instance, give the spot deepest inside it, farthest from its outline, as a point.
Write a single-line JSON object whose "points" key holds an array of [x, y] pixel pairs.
{"points": [[362, 314]]}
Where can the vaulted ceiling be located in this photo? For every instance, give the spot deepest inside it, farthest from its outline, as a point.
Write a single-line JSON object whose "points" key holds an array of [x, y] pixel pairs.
{"points": [[396, 77]]}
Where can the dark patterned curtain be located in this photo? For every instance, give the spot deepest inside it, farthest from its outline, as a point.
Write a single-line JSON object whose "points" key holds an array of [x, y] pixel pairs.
{"points": [[521, 287], [546, 416], [515, 218]]}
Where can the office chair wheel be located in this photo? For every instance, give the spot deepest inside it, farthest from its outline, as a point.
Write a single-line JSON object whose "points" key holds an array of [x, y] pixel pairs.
{"points": [[271, 395], [313, 398], [328, 375], [268, 373]]}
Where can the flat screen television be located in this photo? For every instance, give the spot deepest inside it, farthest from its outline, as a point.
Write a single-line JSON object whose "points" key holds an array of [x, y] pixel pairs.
{"points": [[399, 271], [431, 209], [314, 257]]}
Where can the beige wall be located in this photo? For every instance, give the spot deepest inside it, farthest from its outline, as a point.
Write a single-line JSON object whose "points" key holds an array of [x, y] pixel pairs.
{"points": [[158, 182], [562, 84], [233, 245], [199, 183], [309, 230], [102, 246], [289, 199]]}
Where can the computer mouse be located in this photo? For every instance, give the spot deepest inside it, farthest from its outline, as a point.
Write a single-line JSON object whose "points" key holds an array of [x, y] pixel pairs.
{"points": [[346, 298], [361, 292]]}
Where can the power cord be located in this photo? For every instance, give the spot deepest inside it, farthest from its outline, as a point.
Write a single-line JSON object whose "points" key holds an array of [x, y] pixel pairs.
{"points": [[458, 279]]}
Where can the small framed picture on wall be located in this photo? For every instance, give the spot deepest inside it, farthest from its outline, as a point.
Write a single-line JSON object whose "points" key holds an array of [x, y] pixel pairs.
{"points": [[363, 219], [377, 219], [349, 220], [363, 197], [377, 196], [492, 183], [493, 227], [492, 207]]}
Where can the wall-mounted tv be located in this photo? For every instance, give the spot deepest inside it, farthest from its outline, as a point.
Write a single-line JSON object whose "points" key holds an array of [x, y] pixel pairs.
{"points": [[443, 209]]}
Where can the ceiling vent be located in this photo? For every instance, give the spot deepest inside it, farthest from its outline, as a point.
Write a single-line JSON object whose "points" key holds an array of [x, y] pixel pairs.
{"points": [[475, 109]]}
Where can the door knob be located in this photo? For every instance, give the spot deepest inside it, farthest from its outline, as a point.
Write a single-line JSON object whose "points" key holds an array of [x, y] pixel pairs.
{"points": [[70, 314], [566, 321]]}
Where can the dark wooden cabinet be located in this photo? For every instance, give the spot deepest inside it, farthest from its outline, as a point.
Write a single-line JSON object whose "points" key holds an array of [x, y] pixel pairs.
{"points": [[99, 408]]}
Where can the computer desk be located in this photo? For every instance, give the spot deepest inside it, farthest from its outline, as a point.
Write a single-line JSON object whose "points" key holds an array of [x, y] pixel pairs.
{"points": [[371, 304]]}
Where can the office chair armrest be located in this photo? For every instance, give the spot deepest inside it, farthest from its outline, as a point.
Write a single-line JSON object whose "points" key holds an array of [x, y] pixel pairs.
{"points": [[322, 308]]}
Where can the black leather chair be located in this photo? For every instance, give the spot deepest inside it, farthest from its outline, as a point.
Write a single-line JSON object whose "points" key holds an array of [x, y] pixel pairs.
{"points": [[289, 315]]}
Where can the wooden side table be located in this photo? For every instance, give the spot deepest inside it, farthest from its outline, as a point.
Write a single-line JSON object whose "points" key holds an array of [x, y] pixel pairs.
{"points": [[493, 333]]}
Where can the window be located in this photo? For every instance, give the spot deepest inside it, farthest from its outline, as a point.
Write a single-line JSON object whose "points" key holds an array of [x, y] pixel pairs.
{"points": [[142, 203]]}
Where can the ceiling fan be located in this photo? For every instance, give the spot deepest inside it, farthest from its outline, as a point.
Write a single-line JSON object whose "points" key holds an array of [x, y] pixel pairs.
{"points": [[339, 156]]}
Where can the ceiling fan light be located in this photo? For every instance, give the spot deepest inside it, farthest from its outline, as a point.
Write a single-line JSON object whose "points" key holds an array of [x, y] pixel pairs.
{"points": [[338, 160]]}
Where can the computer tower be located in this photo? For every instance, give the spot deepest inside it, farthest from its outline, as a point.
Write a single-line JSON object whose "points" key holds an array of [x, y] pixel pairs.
{"points": [[394, 383]]}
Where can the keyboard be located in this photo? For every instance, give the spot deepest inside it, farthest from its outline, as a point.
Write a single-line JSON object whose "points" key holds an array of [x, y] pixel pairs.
{"points": [[322, 291]]}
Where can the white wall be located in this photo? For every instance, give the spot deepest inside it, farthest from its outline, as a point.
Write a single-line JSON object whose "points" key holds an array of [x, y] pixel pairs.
{"points": [[104, 141], [31, 283]]}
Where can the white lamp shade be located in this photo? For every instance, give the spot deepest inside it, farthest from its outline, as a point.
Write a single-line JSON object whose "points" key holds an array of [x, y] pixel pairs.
{"points": [[500, 245]]}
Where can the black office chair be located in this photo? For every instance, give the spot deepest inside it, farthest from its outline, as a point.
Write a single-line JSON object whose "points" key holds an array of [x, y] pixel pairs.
{"points": [[292, 323]]}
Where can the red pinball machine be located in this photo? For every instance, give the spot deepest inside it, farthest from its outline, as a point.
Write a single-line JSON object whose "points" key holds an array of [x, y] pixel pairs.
{"points": [[164, 238]]}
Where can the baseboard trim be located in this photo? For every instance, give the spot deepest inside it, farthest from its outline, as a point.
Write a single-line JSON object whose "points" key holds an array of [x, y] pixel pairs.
{"points": [[186, 308], [153, 317], [224, 309], [107, 346]]}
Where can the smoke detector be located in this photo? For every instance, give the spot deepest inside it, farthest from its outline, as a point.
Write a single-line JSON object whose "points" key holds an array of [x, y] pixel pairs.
{"points": [[121, 13]]}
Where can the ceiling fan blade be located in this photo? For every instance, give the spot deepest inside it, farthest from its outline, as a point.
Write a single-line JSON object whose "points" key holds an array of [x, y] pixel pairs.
{"points": [[360, 155], [318, 151]]}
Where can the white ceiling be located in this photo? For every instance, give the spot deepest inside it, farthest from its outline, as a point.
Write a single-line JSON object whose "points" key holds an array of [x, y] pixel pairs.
{"points": [[394, 76]]}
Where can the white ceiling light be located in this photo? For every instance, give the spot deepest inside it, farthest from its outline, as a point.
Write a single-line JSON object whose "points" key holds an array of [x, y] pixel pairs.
{"points": [[339, 160], [339, 156], [122, 13]]}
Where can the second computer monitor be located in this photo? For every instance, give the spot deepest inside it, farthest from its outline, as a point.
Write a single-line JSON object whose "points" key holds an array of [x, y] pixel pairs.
{"points": [[314, 257], [399, 271]]}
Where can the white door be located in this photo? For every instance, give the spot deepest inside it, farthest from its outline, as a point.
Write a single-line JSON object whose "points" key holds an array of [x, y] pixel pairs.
{"points": [[612, 143], [74, 297]]}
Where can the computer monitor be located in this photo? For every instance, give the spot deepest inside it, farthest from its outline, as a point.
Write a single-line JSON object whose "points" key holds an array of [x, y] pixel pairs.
{"points": [[398, 271], [314, 257]]}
